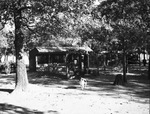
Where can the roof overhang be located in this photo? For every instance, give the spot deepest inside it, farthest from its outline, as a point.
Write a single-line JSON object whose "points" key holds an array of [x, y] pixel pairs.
{"points": [[63, 49]]}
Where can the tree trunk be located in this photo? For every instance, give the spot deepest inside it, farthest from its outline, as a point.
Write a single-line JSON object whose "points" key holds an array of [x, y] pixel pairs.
{"points": [[21, 76], [122, 79], [104, 64], [21, 73], [97, 65], [149, 68], [118, 80], [124, 68], [124, 62]]}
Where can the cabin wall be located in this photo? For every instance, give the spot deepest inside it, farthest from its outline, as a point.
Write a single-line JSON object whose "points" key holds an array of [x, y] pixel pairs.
{"points": [[58, 62]]}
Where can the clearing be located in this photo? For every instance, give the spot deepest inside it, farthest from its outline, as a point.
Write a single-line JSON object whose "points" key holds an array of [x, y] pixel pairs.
{"points": [[51, 94]]}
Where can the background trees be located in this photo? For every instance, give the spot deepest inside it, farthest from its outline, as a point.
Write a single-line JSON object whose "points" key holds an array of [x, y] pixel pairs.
{"points": [[3, 43], [38, 22], [129, 20]]}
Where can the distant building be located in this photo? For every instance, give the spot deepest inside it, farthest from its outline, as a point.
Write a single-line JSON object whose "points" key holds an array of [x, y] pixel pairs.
{"points": [[12, 58]]}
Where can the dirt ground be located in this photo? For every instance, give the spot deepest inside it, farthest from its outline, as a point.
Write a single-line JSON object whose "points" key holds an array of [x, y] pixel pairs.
{"points": [[50, 94]]}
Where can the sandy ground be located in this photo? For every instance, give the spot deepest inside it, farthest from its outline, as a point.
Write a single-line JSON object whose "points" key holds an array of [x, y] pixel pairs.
{"points": [[66, 97]]}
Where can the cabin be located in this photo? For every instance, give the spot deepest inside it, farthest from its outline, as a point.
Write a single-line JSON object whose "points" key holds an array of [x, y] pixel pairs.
{"points": [[59, 59]]}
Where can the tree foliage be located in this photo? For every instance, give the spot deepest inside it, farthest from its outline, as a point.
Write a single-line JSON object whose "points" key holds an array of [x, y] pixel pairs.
{"points": [[129, 20], [36, 22]]}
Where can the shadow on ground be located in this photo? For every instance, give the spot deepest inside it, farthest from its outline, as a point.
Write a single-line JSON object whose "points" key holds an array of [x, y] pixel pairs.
{"points": [[138, 84], [12, 109], [6, 90]]}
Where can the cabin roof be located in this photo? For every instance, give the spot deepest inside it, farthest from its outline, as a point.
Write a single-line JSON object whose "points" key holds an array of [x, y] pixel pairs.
{"points": [[62, 49]]}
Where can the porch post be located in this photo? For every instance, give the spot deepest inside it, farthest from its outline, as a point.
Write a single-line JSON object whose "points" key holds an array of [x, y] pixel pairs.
{"points": [[87, 62], [66, 63]]}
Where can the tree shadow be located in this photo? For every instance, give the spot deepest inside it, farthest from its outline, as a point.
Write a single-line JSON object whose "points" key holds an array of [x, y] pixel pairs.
{"points": [[6, 90], [70, 87], [46, 78], [12, 109], [103, 80], [7, 79], [137, 86]]}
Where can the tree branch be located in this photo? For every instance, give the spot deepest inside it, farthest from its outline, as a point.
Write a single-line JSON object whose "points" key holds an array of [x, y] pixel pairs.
{"points": [[29, 27], [2, 25], [25, 7]]}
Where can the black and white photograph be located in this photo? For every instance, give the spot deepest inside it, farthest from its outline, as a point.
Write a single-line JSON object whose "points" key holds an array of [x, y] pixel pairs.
{"points": [[74, 56]]}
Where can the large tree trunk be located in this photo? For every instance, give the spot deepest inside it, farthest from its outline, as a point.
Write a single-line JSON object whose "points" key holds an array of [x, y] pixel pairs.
{"points": [[21, 73], [21, 76]]}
